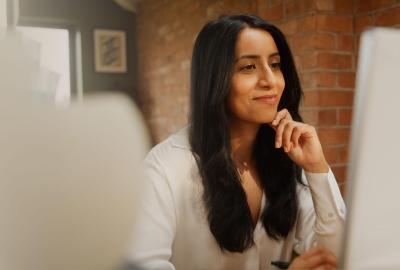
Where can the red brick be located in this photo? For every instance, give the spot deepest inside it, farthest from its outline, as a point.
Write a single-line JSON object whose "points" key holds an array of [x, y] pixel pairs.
{"points": [[323, 41], [310, 116], [299, 7], [234, 6], [319, 117], [345, 116], [331, 135], [300, 25], [307, 23], [362, 22], [343, 188], [334, 60], [272, 3], [344, 6], [291, 8], [327, 117], [311, 41], [297, 62], [336, 154], [356, 46], [261, 6], [335, 23], [307, 5], [370, 5], [324, 79], [274, 13], [325, 5], [328, 98], [192, 8], [344, 154], [332, 154], [346, 79], [389, 17], [306, 79], [340, 172], [288, 28], [309, 60], [345, 43]]}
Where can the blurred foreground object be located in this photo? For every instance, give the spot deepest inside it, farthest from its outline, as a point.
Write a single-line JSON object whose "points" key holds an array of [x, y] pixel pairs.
{"points": [[372, 240], [67, 182]]}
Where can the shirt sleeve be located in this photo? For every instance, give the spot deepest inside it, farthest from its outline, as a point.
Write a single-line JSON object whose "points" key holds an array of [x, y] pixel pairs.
{"points": [[322, 213], [155, 220]]}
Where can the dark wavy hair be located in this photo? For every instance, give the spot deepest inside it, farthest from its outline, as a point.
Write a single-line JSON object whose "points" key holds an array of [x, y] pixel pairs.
{"points": [[227, 209]]}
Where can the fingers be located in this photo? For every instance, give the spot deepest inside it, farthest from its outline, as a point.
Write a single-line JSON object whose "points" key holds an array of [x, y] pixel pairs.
{"points": [[279, 131], [287, 134], [324, 257], [296, 136], [282, 114], [316, 258], [283, 125]]}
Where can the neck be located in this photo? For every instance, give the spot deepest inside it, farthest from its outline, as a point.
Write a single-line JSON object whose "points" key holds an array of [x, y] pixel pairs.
{"points": [[243, 136]]}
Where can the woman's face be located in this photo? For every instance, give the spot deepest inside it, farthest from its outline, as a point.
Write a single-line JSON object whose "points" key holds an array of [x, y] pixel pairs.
{"points": [[257, 82]]}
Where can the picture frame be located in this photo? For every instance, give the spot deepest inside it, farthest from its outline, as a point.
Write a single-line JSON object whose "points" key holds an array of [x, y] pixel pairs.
{"points": [[110, 51]]}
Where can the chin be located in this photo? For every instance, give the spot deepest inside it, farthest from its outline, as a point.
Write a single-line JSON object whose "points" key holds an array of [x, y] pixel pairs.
{"points": [[265, 120], [267, 117]]}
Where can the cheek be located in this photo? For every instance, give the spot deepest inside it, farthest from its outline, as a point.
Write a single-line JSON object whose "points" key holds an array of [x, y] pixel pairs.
{"points": [[236, 101], [280, 85], [242, 86], [240, 92]]}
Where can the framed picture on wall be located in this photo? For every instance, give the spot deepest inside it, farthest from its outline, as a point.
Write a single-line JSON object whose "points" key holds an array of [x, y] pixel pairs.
{"points": [[110, 51]]}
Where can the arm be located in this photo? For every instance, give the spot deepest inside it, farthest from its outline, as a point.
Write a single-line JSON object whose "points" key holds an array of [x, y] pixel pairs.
{"points": [[321, 213], [322, 210], [155, 224]]}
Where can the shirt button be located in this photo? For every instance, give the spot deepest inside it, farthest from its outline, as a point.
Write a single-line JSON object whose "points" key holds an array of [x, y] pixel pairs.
{"points": [[330, 215]]}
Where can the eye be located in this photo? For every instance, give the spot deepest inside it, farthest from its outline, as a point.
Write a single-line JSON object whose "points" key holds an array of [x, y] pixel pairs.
{"points": [[275, 66], [248, 67]]}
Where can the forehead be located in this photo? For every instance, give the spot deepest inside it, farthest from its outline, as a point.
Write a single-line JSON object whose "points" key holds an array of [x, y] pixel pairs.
{"points": [[255, 41]]}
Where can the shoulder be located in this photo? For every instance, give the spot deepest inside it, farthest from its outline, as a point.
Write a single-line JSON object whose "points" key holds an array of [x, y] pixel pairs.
{"points": [[175, 144], [173, 154]]}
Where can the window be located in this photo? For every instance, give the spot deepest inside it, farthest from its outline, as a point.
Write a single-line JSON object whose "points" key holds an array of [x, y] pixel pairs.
{"points": [[54, 58]]}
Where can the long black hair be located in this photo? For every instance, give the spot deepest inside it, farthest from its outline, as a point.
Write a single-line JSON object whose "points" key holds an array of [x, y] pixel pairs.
{"points": [[228, 213]]}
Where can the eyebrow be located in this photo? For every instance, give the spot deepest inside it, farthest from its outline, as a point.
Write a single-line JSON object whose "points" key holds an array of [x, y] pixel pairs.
{"points": [[255, 56]]}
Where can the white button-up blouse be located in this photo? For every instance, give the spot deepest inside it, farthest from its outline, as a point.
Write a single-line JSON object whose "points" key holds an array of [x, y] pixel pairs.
{"points": [[172, 232]]}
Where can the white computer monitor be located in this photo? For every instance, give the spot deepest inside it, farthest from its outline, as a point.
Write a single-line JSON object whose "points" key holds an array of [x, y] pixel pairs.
{"points": [[373, 196]]}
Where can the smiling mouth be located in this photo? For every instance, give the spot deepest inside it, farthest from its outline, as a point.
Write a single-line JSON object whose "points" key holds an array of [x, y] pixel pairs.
{"points": [[267, 99]]}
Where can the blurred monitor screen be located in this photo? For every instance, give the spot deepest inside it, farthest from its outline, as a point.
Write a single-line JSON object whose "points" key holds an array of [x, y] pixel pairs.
{"points": [[372, 234]]}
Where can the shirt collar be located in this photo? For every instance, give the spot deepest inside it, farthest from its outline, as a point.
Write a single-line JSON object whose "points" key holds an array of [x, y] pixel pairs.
{"points": [[181, 138]]}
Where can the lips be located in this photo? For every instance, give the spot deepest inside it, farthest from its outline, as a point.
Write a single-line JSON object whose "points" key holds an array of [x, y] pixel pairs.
{"points": [[268, 99]]}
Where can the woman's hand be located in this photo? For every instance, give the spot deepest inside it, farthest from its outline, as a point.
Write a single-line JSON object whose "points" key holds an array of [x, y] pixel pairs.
{"points": [[318, 258], [300, 141]]}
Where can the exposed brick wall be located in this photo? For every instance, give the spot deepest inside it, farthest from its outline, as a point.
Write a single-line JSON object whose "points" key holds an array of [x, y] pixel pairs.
{"points": [[368, 13], [324, 38], [166, 34]]}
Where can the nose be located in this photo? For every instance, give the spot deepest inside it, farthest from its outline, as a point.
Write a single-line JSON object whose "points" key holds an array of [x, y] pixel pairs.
{"points": [[266, 78]]}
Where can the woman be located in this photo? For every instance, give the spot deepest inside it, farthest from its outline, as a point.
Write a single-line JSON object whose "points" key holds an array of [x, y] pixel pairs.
{"points": [[246, 184]]}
